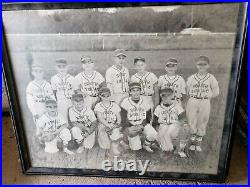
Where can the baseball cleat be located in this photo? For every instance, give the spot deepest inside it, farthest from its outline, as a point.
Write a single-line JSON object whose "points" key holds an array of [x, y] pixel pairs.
{"points": [[148, 148], [80, 149], [198, 148], [192, 148], [182, 154], [68, 151]]}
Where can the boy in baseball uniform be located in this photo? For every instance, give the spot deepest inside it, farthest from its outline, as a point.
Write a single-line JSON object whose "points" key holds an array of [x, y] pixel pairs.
{"points": [[171, 118], [117, 77], [173, 81], [88, 82], [137, 120], [201, 88], [53, 128], [148, 81], [62, 85], [83, 122], [37, 92], [109, 122]]}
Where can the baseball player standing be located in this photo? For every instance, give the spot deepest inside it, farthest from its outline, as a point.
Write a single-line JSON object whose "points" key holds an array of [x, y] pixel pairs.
{"points": [[83, 122], [117, 77], [137, 119], [109, 117], [37, 92], [88, 82], [173, 81], [62, 85], [148, 81], [52, 128], [201, 87], [171, 118]]}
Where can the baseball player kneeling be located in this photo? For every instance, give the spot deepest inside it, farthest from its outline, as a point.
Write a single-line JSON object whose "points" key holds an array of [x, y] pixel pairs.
{"points": [[137, 119], [83, 122], [172, 123], [109, 117], [52, 128]]}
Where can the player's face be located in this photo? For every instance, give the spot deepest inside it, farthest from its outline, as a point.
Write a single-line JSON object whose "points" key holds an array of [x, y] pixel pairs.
{"points": [[171, 68], [140, 66], [78, 104], [167, 98], [38, 74], [135, 93], [202, 66], [89, 66], [52, 109], [105, 96], [119, 60], [62, 68]]}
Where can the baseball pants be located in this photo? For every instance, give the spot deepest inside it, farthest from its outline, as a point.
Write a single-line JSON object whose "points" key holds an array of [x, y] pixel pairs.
{"points": [[198, 111], [64, 137], [148, 99], [104, 139], [150, 134], [77, 135], [90, 101]]}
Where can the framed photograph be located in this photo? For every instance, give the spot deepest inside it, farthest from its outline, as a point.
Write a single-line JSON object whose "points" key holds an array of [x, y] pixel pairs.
{"points": [[138, 90]]}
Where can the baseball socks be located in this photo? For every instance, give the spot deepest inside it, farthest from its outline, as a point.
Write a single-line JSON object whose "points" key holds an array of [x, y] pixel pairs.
{"points": [[66, 150], [181, 150], [192, 142]]}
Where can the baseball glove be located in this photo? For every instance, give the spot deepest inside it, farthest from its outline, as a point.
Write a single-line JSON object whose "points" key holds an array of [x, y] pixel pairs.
{"points": [[48, 137], [134, 130]]}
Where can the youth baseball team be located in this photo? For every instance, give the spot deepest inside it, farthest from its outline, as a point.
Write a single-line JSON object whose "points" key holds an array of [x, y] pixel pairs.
{"points": [[121, 112]]}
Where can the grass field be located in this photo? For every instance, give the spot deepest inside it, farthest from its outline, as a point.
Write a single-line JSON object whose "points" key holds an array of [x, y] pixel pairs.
{"points": [[205, 162]]}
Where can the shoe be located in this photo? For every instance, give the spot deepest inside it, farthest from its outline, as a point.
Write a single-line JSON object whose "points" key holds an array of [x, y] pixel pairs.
{"points": [[147, 148], [182, 154], [198, 148], [68, 151], [80, 149], [192, 148]]}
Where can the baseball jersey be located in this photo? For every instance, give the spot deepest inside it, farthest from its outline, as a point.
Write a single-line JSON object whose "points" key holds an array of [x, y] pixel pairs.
{"points": [[47, 124], [147, 82], [201, 86], [37, 94], [168, 115], [177, 83], [62, 85], [89, 85], [136, 112], [86, 117], [118, 78], [108, 112]]}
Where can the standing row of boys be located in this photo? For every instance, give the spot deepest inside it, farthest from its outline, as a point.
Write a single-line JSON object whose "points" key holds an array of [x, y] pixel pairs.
{"points": [[138, 112]]}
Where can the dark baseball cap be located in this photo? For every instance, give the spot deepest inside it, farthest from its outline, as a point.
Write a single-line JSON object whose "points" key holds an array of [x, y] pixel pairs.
{"points": [[133, 85], [119, 52]]}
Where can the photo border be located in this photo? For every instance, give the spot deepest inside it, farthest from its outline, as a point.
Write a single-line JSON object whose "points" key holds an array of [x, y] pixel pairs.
{"points": [[231, 106]]}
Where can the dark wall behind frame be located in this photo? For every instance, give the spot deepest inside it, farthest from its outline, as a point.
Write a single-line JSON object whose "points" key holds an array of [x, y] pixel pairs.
{"points": [[229, 115]]}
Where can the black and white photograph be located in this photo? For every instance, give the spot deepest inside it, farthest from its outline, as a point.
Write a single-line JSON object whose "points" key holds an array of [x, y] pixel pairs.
{"points": [[127, 89]]}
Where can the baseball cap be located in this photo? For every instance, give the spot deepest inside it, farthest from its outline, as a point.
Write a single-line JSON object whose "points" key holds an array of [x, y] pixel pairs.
{"points": [[86, 59], [139, 59], [133, 85], [61, 61], [166, 92], [77, 97], [203, 59], [104, 90], [171, 61], [119, 52], [37, 66]]}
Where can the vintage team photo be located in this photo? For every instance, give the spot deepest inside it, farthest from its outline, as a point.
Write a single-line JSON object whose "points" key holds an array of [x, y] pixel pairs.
{"points": [[139, 88]]}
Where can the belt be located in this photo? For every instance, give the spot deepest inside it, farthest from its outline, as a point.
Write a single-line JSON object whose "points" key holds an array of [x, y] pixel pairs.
{"points": [[199, 97]]}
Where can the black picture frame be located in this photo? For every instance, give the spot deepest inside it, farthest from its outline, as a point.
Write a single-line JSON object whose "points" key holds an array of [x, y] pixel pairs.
{"points": [[231, 109]]}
